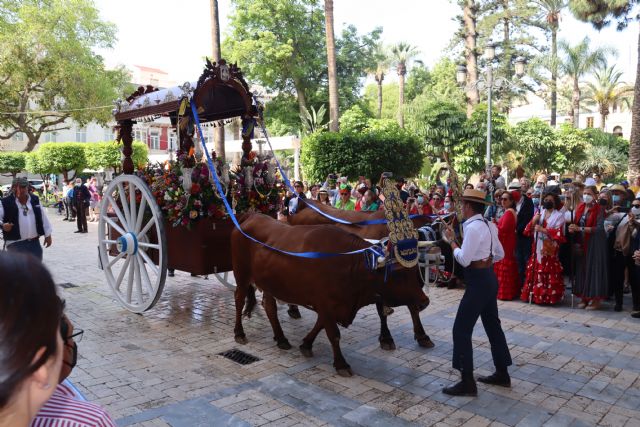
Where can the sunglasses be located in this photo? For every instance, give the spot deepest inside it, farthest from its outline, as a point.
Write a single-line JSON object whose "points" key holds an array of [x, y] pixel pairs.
{"points": [[635, 206]]}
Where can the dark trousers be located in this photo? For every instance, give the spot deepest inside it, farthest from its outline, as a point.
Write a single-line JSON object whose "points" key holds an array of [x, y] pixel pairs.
{"points": [[68, 208], [81, 217], [619, 263], [479, 300], [31, 247], [634, 278], [523, 253]]}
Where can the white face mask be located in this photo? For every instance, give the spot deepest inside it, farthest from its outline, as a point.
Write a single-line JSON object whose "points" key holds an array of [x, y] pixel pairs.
{"points": [[635, 211], [587, 198]]}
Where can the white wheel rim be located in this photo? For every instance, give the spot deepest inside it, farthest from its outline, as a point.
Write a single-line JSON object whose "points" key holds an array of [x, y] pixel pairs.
{"points": [[135, 279], [226, 279]]}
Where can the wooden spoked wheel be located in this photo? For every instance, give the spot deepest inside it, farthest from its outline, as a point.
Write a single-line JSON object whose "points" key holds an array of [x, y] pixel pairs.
{"points": [[226, 279], [131, 243]]}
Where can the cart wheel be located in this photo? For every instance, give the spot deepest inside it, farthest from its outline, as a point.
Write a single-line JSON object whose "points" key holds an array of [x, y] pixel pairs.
{"points": [[226, 279], [132, 245]]}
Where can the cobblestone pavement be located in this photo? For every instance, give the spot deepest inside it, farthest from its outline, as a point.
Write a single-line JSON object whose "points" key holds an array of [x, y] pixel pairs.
{"points": [[571, 367]]}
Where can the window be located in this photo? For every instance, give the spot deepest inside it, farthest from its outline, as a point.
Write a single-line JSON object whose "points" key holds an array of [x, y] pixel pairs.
{"points": [[155, 140], [50, 137], [109, 135], [617, 131], [140, 135], [172, 141], [589, 122], [81, 134], [19, 136]]}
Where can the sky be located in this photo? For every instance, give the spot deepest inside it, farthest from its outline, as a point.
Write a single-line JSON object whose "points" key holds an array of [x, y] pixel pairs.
{"points": [[175, 36]]}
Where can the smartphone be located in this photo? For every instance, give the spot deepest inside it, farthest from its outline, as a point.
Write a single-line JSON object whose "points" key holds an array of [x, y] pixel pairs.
{"points": [[333, 176]]}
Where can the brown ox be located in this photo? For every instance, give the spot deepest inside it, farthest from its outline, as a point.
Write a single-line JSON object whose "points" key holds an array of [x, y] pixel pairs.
{"points": [[308, 216], [334, 287]]}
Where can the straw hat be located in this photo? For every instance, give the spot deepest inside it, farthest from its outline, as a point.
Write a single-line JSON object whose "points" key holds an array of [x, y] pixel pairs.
{"points": [[474, 196], [618, 187]]}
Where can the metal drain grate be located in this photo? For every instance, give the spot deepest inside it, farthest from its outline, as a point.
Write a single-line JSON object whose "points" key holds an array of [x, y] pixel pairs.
{"points": [[239, 356], [67, 285]]}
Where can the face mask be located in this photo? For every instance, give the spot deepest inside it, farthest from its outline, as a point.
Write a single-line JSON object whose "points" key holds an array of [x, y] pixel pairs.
{"points": [[536, 201], [602, 202], [587, 198], [616, 198], [548, 205], [420, 200], [635, 211], [447, 205]]}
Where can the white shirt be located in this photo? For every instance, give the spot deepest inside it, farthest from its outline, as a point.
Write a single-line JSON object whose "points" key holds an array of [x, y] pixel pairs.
{"points": [[478, 238], [28, 223]]}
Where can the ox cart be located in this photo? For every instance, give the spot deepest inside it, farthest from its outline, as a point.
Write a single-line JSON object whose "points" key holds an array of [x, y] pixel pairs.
{"points": [[170, 216]]}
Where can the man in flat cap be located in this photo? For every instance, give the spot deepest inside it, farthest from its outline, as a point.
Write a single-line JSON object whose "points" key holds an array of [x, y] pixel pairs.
{"points": [[24, 221]]}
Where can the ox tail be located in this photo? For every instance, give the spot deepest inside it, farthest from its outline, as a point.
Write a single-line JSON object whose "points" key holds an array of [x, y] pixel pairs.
{"points": [[250, 302]]}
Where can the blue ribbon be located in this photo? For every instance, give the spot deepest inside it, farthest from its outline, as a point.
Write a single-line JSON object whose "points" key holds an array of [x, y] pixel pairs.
{"points": [[371, 252], [315, 208]]}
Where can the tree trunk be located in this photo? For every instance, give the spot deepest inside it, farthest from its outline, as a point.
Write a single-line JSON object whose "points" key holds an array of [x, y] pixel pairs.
{"points": [[379, 82], [334, 101], [469, 18], [575, 103], [603, 119], [554, 74], [401, 73], [31, 144], [300, 96], [218, 133], [634, 140]]}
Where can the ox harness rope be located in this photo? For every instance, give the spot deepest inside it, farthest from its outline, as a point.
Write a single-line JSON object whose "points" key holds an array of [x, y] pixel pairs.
{"points": [[372, 253]]}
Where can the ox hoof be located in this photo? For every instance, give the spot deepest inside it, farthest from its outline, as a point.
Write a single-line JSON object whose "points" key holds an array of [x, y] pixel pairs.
{"points": [[387, 344], [241, 339], [306, 352], [425, 342], [294, 312], [345, 372], [283, 344]]}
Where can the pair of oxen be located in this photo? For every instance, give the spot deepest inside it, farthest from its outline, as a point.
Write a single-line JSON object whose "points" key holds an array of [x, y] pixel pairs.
{"points": [[334, 287]]}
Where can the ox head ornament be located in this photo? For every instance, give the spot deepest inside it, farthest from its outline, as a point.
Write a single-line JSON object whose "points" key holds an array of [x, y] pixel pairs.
{"points": [[402, 234]]}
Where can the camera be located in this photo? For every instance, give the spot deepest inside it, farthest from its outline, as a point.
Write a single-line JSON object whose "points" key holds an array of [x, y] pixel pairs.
{"points": [[333, 176]]}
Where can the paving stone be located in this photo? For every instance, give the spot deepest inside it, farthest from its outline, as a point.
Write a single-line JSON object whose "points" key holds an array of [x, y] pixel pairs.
{"points": [[161, 368]]}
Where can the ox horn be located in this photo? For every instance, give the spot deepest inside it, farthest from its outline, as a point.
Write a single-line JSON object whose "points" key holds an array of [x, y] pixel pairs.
{"points": [[425, 243]]}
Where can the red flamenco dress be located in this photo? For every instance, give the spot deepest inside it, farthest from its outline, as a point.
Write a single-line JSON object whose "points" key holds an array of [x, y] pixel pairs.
{"points": [[507, 269], [544, 271]]}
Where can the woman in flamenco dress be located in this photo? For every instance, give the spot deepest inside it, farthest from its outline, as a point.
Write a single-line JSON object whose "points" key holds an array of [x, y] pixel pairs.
{"points": [[507, 269], [544, 282]]}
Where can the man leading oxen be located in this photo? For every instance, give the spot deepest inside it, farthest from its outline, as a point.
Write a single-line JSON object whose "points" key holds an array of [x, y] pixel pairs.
{"points": [[479, 250], [335, 287]]}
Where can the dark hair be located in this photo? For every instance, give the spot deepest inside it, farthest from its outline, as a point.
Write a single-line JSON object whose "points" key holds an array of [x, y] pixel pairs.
{"points": [[30, 313], [557, 204]]}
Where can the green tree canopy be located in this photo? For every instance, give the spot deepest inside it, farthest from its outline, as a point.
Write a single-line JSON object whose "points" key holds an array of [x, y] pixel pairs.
{"points": [[63, 157], [281, 45], [36, 165], [12, 162], [381, 147], [108, 155], [48, 64]]}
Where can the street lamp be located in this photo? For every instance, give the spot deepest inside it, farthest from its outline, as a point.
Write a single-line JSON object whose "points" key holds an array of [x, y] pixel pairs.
{"points": [[489, 84]]}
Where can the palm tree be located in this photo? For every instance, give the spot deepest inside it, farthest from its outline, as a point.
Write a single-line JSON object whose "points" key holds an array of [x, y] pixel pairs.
{"points": [[577, 61], [218, 133], [402, 53], [551, 10], [378, 70], [334, 111], [607, 90]]}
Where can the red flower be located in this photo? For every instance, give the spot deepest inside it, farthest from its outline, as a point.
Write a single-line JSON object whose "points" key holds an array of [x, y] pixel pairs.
{"points": [[195, 188]]}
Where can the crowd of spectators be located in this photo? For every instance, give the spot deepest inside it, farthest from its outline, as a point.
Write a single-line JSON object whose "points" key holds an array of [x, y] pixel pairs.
{"points": [[572, 233]]}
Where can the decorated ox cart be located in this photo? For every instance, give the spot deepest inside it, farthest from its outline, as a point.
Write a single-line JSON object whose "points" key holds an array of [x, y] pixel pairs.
{"points": [[171, 216]]}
